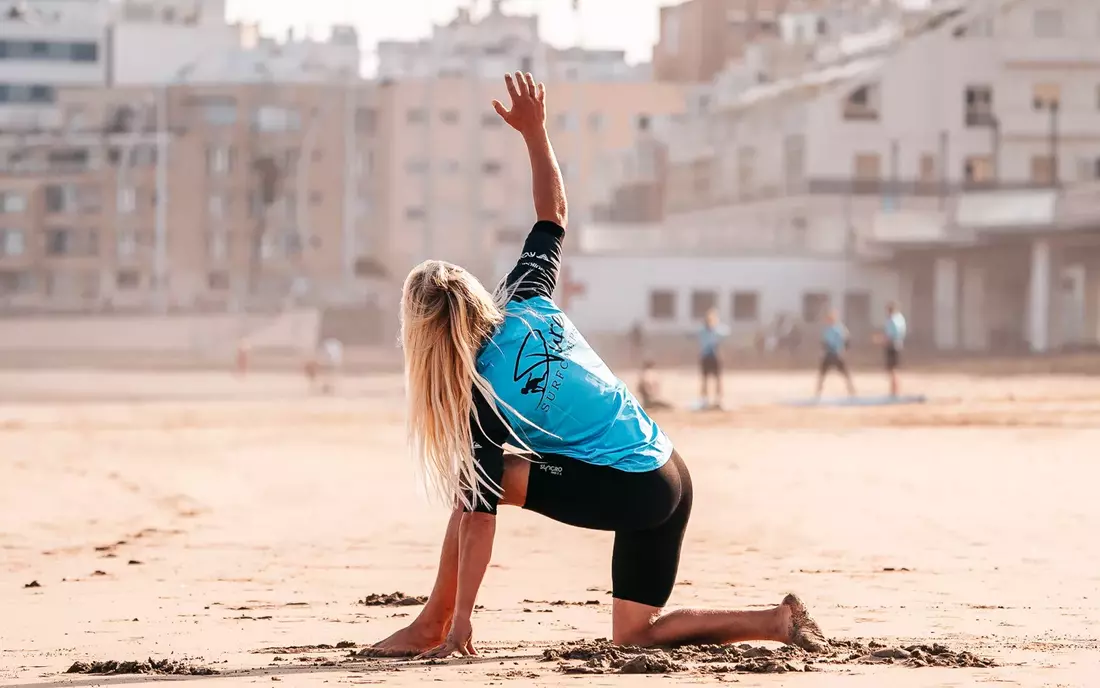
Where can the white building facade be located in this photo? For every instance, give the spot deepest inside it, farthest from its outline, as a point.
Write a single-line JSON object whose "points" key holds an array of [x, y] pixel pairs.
{"points": [[878, 146]]}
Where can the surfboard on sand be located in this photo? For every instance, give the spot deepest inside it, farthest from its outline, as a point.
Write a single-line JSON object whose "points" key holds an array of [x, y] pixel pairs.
{"points": [[884, 400]]}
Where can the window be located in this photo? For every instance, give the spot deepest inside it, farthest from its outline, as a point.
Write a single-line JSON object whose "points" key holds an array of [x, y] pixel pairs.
{"points": [[794, 159], [814, 306], [12, 242], [68, 159], [127, 200], [491, 167], [491, 121], [642, 122], [1046, 96], [126, 243], [857, 310], [978, 169], [271, 118], [126, 280], [862, 104], [12, 202], [662, 305], [702, 301], [215, 206], [1088, 169], [449, 116], [415, 213], [27, 93], [366, 121], [220, 112], [416, 116], [800, 230], [746, 306], [979, 106], [60, 242], [416, 166], [1047, 23], [218, 281], [61, 198], [62, 51], [564, 121], [1042, 169], [220, 159], [595, 121], [866, 167], [16, 282], [927, 168]]}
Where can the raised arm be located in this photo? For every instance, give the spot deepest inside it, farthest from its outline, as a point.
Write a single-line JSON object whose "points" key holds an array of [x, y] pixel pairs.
{"points": [[536, 271], [528, 116]]}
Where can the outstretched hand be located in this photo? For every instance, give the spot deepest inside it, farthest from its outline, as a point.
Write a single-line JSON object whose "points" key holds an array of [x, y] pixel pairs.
{"points": [[528, 112]]}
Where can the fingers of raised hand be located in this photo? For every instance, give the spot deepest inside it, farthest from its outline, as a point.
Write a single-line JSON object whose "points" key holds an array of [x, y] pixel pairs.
{"points": [[530, 81], [510, 82], [521, 84], [540, 93]]}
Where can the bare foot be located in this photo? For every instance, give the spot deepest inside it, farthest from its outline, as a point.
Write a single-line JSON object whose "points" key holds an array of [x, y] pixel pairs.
{"points": [[804, 631], [410, 641]]}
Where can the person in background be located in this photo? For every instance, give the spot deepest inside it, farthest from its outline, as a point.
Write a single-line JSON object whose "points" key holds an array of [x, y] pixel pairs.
{"points": [[710, 337], [649, 390], [892, 340], [835, 339], [332, 361]]}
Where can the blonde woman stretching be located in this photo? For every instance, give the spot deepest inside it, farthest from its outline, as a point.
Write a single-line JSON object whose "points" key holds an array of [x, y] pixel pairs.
{"points": [[482, 370]]}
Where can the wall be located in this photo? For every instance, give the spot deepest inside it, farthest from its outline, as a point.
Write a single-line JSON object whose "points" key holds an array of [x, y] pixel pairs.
{"points": [[617, 288], [922, 91], [292, 331]]}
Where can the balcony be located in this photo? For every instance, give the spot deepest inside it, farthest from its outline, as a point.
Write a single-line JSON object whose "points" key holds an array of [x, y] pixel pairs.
{"points": [[1050, 53]]}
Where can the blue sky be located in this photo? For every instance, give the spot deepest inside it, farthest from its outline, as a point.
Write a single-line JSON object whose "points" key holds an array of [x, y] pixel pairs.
{"points": [[627, 24]]}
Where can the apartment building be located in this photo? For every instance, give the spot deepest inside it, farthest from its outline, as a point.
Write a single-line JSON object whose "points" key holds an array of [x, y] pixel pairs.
{"points": [[265, 197], [882, 146], [459, 178]]}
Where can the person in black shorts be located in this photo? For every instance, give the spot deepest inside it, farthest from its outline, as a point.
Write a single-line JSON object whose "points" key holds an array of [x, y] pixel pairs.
{"points": [[710, 366], [835, 340], [488, 370]]}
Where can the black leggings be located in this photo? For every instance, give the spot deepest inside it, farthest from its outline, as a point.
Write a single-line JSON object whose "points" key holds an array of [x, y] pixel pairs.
{"points": [[647, 511]]}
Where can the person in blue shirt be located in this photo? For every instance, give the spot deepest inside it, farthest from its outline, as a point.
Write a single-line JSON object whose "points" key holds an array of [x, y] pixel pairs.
{"points": [[710, 365], [835, 340], [483, 370], [893, 340]]}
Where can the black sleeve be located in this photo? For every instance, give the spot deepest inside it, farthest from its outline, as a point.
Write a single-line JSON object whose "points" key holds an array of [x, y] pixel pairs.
{"points": [[489, 438], [536, 273]]}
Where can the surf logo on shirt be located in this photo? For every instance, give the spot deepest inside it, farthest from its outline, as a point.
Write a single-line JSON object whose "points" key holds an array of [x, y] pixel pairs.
{"points": [[540, 362]]}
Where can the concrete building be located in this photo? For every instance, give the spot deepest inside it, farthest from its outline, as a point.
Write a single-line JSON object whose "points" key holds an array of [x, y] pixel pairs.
{"points": [[882, 144], [460, 177], [265, 199]]}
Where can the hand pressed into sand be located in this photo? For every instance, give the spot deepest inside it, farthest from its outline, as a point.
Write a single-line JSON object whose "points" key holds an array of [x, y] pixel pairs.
{"points": [[412, 640], [460, 640]]}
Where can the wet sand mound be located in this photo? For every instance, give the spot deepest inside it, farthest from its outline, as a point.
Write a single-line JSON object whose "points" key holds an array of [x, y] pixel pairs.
{"points": [[601, 657], [149, 666], [393, 599]]}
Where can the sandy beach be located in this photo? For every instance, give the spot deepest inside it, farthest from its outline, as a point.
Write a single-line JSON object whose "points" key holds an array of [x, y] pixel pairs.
{"points": [[229, 524]]}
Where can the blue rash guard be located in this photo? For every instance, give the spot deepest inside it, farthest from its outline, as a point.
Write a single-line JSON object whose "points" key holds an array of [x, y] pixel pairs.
{"points": [[565, 399], [895, 330]]}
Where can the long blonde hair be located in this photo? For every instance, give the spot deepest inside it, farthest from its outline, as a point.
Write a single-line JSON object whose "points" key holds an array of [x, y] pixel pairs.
{"points": [[446, 316]]}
